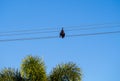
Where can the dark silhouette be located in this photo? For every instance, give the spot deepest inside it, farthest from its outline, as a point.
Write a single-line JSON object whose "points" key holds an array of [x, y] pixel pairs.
{"points": [[62, 33]]}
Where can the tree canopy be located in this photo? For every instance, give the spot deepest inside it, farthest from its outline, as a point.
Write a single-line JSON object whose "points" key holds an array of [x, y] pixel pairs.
{"points": [[9, 74], [65, 72], [33, 69]]}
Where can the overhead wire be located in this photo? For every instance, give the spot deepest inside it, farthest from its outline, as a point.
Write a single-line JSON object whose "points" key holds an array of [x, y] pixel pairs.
{"points": [[27, 33], [98, 33], [46, 28], [74, 29], [50, 37], [27, 30], [91, 25]]}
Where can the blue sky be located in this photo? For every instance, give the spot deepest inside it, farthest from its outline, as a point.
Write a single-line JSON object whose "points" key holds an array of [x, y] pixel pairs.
{"points": [[98, 56]]}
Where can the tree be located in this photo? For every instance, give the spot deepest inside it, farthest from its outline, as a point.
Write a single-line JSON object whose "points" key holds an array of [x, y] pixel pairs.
{"points": [[18, 76], [33, 69], [65, 72], [9, 74]]}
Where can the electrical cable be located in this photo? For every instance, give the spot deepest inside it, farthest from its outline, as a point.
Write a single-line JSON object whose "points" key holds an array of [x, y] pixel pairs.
{"points": [[38, 32], [32, 30], [49, 37], [27, 33], [98, 33]]}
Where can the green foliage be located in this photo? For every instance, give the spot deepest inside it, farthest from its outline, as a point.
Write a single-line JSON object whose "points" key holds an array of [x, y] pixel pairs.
{"points": [[9, 74], [18, 76], [65, 72], [33, 69]]}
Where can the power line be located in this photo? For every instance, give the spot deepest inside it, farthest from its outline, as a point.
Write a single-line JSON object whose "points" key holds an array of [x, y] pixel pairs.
{"points": [[91, 25], [50, 37], [90, 34], [38, 32], [118, 26], [27, 33], [33, 30]]}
